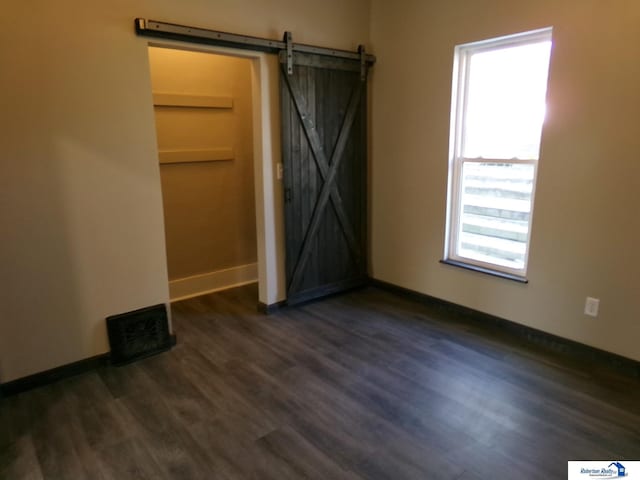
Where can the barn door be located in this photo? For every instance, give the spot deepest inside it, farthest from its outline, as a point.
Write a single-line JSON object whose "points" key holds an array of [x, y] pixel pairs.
{"points": [[325, 174]]}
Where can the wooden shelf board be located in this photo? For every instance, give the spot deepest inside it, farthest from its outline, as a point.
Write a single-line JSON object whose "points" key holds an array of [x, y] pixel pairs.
{"points": [[195, 156], [192, 101]]}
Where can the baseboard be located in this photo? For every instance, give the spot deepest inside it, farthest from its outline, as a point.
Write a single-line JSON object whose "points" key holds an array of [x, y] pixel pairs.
{"points": [[197, 285], [53, 375], [271, 308], [548, 341]]}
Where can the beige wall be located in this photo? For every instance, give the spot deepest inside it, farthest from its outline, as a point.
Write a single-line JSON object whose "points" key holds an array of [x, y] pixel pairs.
{"points": [[209, 207], [586, 223], [80, 198]]}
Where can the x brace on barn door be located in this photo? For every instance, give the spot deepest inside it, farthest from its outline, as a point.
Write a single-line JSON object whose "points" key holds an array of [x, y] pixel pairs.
{"points": [[328, 171], [154, 28]]}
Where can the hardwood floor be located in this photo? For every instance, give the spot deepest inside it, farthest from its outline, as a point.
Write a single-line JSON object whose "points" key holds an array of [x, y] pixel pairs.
{"points": [[365, 385]]}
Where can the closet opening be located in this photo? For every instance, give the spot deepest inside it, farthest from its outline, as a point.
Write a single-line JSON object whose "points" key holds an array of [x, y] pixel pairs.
{"points": [[203, 106]]}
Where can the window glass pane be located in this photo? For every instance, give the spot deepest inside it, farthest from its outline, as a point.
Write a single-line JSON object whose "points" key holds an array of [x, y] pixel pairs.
{"points": [[495, 212], [505, 102]]}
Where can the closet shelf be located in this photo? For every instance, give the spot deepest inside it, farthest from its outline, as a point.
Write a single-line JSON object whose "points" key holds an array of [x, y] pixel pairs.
{"points": [[191, 101], [195, 156]]}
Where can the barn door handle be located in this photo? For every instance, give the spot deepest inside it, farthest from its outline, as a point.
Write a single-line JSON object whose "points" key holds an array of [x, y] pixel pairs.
{"points": [[287, 195]]}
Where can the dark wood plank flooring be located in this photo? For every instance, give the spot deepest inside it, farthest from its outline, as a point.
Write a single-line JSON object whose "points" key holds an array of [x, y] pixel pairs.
{"points": [[365, 385]]}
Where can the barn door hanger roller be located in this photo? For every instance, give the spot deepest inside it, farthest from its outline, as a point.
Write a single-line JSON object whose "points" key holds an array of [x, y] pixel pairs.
{"points": [[288, 40]]}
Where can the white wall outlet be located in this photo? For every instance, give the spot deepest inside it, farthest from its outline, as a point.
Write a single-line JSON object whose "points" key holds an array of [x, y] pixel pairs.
{"points": [[279, 171], [591, 306]]}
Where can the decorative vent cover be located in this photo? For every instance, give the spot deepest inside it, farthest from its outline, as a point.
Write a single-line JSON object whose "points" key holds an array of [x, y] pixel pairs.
{"points": [[138, 334]]}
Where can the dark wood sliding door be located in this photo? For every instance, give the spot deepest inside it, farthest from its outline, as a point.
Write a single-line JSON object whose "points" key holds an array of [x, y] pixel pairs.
{"points": [[325, 174]]}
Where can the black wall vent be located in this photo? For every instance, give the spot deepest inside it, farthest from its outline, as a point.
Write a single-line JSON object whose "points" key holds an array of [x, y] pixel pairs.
{"points": [[138, 334]]}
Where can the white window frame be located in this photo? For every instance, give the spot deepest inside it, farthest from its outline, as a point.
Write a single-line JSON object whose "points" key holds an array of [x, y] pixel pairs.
{"points": [[459, 95]]}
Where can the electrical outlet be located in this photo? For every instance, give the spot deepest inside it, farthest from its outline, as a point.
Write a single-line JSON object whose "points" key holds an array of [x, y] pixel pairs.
{"points": [[279, 171], [591, 306]]}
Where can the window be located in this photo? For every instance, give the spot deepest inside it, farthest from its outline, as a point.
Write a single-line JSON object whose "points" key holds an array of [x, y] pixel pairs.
{"points": [[498, 108]]}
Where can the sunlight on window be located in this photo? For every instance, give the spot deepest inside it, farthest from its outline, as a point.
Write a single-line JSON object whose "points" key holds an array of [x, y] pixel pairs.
{"points": [[498, 111], [506, 102], [496, 211]]}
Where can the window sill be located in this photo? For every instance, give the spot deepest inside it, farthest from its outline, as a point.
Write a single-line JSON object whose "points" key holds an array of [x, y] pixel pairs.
{"points": [[495, 273]]}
